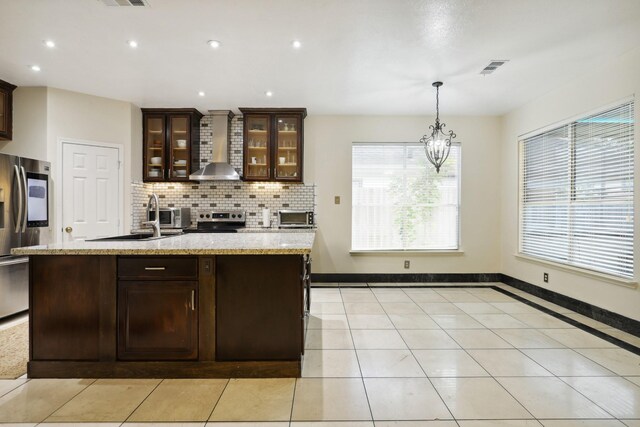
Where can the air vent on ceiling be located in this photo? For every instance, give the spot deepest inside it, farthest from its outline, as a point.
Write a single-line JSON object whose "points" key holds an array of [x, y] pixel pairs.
{"points": [[493, 65], [125, 2]]}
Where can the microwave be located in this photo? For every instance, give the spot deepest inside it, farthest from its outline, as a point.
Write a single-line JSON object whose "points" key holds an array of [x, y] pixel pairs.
{"points": [[295, 219], [172, 217]]}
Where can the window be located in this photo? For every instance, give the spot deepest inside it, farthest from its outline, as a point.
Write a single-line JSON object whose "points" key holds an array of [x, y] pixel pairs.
{"points": [[399, 202], [577, 193]]}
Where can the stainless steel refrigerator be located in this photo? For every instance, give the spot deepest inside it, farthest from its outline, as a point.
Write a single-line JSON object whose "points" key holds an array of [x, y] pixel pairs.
{"points": [[24, 221]]}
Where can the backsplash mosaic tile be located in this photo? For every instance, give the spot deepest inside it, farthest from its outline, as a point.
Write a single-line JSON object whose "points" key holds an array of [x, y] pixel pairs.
{"points": [[251, 197]]}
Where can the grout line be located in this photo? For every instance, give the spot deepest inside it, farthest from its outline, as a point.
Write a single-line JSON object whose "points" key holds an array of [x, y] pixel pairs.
{"points": [[143, 400], [218, 400], [70, 399], [420, 366], [355, 351]]}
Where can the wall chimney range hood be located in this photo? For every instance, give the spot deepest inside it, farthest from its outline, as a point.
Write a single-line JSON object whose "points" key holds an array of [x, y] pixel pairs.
{"points": [[219, 169]]}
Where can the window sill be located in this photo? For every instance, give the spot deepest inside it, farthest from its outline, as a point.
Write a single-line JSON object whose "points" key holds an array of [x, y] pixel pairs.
{"points": [[407, 252], [628, 283]]}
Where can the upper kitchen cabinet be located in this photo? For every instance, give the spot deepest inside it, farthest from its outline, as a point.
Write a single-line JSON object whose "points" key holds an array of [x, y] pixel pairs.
{"points": [[273, 143], [6, 107], [171, 143]]}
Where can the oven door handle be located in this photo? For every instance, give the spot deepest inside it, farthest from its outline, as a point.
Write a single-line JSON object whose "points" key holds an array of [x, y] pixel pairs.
{"points": [[26, 201], [20, 204]]}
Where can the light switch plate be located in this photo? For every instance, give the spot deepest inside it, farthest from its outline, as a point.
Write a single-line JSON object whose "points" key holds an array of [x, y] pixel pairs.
{"points": [[336, 200]]}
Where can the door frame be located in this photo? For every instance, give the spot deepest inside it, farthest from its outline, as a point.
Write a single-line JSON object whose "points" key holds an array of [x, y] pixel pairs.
{"points": [[58, 173]]}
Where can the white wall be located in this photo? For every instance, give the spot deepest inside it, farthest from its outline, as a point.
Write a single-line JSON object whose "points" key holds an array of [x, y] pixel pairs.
{"points": [[328, 164], [42, 116], [73, 115], [29, 124], [610, 83]]}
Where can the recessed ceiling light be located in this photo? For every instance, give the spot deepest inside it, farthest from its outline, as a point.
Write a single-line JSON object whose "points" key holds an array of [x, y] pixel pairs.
{"points": [[268, 93], [132, 44], [49, 43], [296, 44], [35, 68], [214, 44], [201, 93]]}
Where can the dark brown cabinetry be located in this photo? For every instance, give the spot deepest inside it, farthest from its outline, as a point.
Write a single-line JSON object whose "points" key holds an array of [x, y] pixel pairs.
{"points": [[222, 316], [171, 143], [6, 110], [157, 314], [273, 144], [69, 318], [259, 313]]}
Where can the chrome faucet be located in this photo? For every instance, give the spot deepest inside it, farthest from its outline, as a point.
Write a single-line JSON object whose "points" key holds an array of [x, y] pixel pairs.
{"points": [[155, 224]]}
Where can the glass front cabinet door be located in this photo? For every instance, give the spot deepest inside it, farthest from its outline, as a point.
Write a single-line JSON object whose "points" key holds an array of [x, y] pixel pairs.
{"points": [[273, 144], [257, 158], [154, 142], [171, 143]]}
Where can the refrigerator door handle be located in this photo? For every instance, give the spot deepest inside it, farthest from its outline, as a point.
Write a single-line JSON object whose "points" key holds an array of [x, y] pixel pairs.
{"points": [[26, 202], [19, 217]]}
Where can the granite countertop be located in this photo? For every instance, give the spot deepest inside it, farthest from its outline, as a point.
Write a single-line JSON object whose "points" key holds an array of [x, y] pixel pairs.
{"points": [[270, 243]]}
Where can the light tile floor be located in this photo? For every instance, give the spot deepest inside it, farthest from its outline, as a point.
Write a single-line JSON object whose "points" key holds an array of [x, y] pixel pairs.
{"points": [[406, 357]]}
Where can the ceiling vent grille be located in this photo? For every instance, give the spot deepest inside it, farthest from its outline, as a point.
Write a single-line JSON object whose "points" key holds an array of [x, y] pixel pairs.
{"points": [[125, 2], [493, 65]]}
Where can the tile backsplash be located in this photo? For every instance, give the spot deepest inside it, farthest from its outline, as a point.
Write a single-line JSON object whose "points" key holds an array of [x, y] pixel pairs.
{"points": [[251, 197]]}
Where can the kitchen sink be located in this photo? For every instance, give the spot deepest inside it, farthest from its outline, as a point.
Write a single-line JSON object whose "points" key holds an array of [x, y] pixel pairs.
{"points": [[130, 237]]}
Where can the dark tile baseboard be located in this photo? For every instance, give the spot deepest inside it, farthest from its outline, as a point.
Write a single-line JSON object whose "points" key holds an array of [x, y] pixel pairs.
{"points": [[404, 277], [607, 317], [594, 312]]}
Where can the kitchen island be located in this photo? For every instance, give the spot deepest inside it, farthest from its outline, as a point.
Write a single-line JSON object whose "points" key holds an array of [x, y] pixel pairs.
{"points": [[186, 306]]}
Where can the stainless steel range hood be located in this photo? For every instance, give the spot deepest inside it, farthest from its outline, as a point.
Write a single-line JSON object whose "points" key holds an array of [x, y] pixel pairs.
{"points": [[219, 169]]}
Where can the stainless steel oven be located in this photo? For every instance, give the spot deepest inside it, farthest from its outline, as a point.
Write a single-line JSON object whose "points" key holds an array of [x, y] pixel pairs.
{"points": [[295, 219]]}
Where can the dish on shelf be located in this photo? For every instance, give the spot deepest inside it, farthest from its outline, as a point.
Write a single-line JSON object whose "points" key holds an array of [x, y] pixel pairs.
{"points": [[180, 173], [182, 143], [156, 160], [180, 163], [154, 173]]}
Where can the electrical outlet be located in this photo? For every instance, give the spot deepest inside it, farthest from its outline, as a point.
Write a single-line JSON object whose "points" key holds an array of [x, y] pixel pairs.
{"points": [[546, 277], [407, 263], [336, 200]]}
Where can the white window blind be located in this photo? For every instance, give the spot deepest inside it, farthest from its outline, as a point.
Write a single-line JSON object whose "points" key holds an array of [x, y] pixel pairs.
{"points": [[577, 193], [399, 202]]}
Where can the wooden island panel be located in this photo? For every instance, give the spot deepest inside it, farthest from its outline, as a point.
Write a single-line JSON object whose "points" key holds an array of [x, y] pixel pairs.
{"points": [[67, 298], [90, 317], [259, 313]]}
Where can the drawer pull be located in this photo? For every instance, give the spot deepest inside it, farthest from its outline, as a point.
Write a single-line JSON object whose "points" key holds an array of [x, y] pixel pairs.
{"points": [[193, 300], [155, 268]]}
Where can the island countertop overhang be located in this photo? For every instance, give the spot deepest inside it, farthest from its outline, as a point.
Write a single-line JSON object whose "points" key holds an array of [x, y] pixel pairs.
{"points": [[186, 244]]}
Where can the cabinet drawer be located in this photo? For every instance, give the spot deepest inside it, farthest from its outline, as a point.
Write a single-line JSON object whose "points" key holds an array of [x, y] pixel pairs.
{"points": [[157, 268]]}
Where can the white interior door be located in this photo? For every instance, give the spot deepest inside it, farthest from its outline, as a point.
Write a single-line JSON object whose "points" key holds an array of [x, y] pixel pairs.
{"points": [[90, 191]]}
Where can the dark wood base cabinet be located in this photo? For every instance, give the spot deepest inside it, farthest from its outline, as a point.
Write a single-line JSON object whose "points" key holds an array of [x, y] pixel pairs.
{"points": [[166, 317]]}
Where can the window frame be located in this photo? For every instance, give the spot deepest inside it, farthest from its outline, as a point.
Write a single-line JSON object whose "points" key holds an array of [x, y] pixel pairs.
{"points": [[609, 277], [439, 251]]}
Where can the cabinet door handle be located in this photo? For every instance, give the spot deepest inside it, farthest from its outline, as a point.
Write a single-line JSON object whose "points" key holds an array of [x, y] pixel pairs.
{"points": [[193, 300], [155, 268]]}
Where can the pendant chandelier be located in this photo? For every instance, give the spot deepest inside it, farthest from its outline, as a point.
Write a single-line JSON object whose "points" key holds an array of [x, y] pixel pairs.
{"points": [[438, 143]]}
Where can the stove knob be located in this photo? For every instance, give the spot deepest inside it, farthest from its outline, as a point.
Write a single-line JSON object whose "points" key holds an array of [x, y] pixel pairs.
{"points": [[208, 215], [233, 215], [239, 216], [201, 215]]}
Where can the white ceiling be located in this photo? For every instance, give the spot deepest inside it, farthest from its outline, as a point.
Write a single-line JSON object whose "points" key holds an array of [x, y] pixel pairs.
{"points": [[358, 56]]}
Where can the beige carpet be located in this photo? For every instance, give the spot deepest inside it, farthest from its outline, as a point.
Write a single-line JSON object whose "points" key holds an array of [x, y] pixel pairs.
{"points": [[14, 350]]}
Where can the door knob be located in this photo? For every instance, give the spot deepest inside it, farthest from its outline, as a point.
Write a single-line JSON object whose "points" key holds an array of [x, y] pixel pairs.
{"points": [[68, 229]]}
